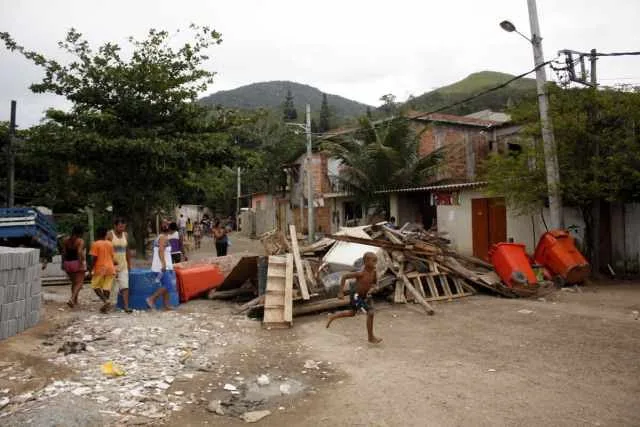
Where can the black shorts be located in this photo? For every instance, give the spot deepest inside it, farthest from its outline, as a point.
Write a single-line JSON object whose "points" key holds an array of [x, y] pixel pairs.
{"points": [[362, 303]]}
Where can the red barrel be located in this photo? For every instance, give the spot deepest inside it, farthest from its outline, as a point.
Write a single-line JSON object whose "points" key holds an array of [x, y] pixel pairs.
{"points": [[557, 251], [512, 264], [196, 280]]}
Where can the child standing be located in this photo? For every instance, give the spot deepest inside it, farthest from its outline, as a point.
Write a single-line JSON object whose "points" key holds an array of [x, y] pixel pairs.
{"points": [[360, 294], [104, 270]]}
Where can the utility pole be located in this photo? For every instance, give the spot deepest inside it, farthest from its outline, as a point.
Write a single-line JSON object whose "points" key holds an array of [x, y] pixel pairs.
{"points": [[595, 241], [239, 190], [310, 198], [238, 197], [550, 154], [11, 159]]}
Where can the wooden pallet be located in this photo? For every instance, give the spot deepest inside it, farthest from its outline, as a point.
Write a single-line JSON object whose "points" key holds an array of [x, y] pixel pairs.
{"points": [[439, 287], [278, 310]]}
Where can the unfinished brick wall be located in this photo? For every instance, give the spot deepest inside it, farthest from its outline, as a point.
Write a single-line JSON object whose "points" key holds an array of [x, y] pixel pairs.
{"points": [[322, 217], [456, 141], [20, 287]]}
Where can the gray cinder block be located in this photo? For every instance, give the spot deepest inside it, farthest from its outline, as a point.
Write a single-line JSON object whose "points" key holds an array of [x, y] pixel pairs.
{"points": [[20, 324], [12, 327], [21, 288], [36, 286]]}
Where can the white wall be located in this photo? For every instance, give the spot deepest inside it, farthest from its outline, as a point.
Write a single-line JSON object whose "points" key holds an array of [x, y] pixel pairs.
{"points": [[456, 221]]}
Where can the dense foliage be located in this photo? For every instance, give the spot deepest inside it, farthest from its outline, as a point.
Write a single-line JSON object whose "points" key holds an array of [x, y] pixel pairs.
{"points": [[381, 156], [597, 134]]}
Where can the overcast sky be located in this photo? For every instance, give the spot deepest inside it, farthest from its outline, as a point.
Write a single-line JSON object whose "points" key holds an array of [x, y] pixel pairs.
{"points": [[359, 49]]}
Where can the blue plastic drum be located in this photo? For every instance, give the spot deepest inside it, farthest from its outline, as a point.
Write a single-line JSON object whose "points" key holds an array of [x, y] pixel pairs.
{"points": [[143, 283]]}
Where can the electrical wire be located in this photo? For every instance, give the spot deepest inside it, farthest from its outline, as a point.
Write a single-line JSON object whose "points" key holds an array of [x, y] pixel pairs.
{"points": [[614, 54], [455, 104]]}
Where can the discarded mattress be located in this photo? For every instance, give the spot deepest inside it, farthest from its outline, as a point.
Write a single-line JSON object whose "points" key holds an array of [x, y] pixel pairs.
{"points": [[197, 280], [346, 256]]}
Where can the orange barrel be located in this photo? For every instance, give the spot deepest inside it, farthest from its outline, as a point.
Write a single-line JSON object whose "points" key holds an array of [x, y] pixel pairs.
{"points": [[512, 264], [196, 280], [557, 251]]}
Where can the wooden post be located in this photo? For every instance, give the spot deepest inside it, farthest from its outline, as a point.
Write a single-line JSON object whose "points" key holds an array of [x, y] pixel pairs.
{"points": [[417, 296], [302, 281]]}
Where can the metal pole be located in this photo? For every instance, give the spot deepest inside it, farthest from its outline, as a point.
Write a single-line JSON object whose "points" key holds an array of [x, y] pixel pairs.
{"points": [[89, 211], [11, 159], [597, 208], [550, 155], [310, 197], [238, 198]]}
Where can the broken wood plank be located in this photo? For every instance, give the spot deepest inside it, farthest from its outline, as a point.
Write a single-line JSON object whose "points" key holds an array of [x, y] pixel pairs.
{"points": [[246, 306], [288, 290], [417, 296], [392, 237], [216, 294], [322, 305], [298, 262], [308, 271], [398, 295]]}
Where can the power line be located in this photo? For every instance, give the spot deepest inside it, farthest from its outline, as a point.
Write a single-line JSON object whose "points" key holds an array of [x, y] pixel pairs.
{"points": [[455, 104], [616, 54]]}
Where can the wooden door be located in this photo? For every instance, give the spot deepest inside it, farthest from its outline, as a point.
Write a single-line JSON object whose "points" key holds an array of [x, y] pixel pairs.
{"points": [[488, 224]]}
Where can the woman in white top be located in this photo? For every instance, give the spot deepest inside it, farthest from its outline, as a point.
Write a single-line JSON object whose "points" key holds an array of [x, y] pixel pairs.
{"points": [[161, 263]]}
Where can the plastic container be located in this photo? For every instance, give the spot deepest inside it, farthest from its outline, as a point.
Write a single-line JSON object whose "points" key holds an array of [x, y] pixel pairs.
{"points": [[143, 283], [512, 264], [196, 280], [557, 251]]}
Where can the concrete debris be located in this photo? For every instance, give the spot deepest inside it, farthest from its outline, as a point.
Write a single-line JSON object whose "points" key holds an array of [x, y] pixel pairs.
{"points": [[255, 416], [215, 406], [525, 311], [72, 347], [635, 314], [263, 380], [4, 402], [311, 364], [149, 350], [285, 388], [230, 387]]}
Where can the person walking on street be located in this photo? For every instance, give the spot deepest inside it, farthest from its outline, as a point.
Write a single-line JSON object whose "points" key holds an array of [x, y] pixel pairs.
{"points": [[118, 237], [74, 262], [103, 260], [162, 264], [182, 224], [175, 241], [189, 229], [222, 241], [197, 234]]}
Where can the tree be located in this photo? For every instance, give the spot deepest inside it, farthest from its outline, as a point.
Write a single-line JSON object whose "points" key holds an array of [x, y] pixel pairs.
{"points": [[389, 105], [382, 156], [598, 147], [368, 114], [134, 132], [325, 115], [290, 113]]}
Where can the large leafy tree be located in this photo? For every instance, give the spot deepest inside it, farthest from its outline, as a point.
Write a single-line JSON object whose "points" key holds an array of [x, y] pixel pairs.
{"points": [[598, 145], [134, 131], [382, 156]]}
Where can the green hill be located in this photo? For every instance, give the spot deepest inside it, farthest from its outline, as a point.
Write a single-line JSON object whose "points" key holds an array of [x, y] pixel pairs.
{"points": [[471, 85], [271, 95]]}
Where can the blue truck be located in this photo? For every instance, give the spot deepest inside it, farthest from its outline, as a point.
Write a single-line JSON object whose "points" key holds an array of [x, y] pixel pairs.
{"points": [[28, 227]]}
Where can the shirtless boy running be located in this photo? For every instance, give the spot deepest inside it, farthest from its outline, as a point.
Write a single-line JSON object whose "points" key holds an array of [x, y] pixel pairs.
{"points": [[360, 294]]}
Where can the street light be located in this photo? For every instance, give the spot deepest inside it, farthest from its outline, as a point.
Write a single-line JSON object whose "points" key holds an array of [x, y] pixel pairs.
{"points": [[510, 28], [548, 142]]}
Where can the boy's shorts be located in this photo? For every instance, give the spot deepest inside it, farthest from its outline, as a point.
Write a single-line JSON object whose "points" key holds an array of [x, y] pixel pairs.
{"points": [[362, 303], [102, 282]]}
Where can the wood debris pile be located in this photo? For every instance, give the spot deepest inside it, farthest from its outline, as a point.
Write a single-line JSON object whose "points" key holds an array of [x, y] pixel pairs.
{"points": [[414, 265]]}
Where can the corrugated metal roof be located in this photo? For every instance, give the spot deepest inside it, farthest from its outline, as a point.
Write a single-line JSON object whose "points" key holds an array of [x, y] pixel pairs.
{"points": [[459, 120], [443, 187]]}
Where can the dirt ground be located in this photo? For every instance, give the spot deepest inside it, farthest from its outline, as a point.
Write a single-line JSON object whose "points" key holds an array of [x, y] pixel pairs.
{"points": [[570, 359]]}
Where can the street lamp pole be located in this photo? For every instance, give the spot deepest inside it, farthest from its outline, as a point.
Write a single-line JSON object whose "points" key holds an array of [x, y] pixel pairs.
{"points": [[556, 219], [310, 197]]}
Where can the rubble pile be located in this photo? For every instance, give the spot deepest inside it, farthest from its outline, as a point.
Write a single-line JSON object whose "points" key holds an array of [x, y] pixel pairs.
{"points": [[133, 366], [414, 265]]}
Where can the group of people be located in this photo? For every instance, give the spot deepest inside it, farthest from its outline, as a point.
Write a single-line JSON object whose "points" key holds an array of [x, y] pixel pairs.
{"points": [[109, 261]]}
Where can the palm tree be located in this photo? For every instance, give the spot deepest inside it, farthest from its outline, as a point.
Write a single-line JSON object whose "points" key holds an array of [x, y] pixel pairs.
{"points": [[381, 156]]}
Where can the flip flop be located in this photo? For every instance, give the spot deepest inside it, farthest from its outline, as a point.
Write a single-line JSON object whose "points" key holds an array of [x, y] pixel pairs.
{"points": [[70, 304], [149, 303]]}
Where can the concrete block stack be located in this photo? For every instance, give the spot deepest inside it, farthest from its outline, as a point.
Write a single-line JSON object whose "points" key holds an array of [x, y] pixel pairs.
{"points": [[20, 290]]}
